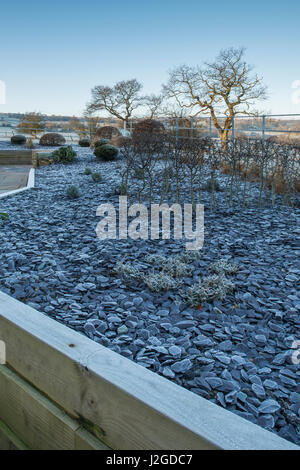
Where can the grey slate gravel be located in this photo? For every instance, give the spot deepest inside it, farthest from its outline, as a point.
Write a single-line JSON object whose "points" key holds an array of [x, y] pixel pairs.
{"points": [[236, 352]]}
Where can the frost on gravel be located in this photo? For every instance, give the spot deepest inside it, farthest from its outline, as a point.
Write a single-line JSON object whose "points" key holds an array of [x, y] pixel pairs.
{"points": [[234, 349]]}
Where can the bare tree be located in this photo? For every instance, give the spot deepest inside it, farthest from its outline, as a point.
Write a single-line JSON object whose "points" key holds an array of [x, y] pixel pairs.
{"points": [[120, 101], [153, 104], [225, 86]]}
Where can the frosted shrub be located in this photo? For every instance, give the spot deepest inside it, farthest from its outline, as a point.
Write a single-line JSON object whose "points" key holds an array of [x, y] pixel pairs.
{"points": [[223, 267], [160, 281], [128, 271], [171, 266], [96, 177], [73, 192], [170, 270], [189, 256], [210, 288]]}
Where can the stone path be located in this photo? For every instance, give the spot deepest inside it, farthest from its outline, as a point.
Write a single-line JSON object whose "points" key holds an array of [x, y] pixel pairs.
{"points": [[14, 177]]}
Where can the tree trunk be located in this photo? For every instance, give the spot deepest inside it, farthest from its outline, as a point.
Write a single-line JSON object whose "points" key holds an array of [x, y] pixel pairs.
{"points": [[223, 134]]}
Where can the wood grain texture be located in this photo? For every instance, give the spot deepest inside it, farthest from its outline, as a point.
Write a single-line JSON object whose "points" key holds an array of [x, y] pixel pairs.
{"points": [[9, 440], [36, 420], [130, 406]]}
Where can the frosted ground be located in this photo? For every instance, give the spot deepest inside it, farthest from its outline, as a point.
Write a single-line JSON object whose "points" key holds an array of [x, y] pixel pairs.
{"points": [[236, 351]]}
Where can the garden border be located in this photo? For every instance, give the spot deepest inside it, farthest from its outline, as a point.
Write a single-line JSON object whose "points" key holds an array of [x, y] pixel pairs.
{"points": [[30, 184], [124, 405]]}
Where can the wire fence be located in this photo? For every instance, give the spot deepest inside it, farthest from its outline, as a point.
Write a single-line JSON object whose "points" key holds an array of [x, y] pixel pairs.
{"points": [[281, 126], [252, 127]]}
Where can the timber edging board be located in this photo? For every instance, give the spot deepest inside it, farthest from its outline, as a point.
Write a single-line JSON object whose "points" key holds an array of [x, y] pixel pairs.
{"points": [[37, 421], [16, 157], [127, 406], [30, 184]]}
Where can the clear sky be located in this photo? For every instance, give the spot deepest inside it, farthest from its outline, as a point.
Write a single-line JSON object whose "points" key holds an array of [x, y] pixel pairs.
{"points": [[52, 53]]}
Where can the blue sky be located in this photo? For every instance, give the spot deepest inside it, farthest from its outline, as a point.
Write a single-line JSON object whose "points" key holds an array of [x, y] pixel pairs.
{"points": [[52, 54]]}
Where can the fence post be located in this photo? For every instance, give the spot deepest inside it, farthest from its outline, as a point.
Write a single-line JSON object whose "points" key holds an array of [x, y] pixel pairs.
{"points": [[210, 125], [232, 130], [176, 130], [263, 129], [192, 128], [130, 126], [124, 125]]}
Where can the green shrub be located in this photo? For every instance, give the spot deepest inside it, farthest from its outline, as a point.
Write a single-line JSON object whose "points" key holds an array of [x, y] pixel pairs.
{"points": [[100, 142], [96, 177], [212, 184], [73, 192], [18, 139], [64, 155], [106, 152], [3, 217], [84, 142], [87, 171]]}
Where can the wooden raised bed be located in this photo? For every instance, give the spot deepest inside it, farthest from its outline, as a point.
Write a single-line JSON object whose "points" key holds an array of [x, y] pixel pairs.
{"points": [[61, 390]]}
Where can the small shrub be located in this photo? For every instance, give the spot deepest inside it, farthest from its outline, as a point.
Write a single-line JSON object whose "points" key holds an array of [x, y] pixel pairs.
{"points": [[189, 256], [100, 142], [52, 139], [18, 139], [107, 132], [64, 155], [210, 288], [87, 171], [149, 128], [223, 267], [3, 217], [96, 177], [106, 152], [154, 281], [128, 271], [160, 281], [212, 184], [84, 142], [73, 192], [173, 267]]}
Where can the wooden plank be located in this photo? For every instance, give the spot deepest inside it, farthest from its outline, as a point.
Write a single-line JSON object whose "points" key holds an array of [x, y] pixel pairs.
{"points": [[15, 152], [16, 157], [8, 440], [130, 406], [30, 184], [84, 440], [36, 420]]}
